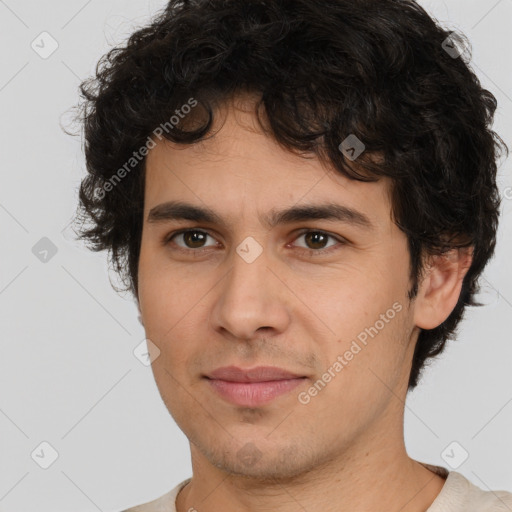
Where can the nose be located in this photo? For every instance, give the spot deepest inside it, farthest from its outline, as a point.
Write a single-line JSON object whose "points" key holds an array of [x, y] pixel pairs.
{"points": [[251, 298]]}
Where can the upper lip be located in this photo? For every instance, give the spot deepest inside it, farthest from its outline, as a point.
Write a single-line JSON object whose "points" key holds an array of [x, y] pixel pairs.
{"points": [[257, 374]]}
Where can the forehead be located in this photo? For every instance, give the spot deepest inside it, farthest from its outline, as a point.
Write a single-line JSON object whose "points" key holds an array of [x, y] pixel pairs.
{"points": [[237, 167]]}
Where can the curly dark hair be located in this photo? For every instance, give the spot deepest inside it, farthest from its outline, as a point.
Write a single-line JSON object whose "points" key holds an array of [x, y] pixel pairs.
{"points": [[377, 69]]}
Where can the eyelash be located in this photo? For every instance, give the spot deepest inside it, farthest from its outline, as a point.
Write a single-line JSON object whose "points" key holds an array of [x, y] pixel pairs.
{"points": [[309, 252]]}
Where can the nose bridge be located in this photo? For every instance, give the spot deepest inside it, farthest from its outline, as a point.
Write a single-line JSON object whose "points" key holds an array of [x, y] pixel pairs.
{"points": [[249, 278], [248, 297], [250, 264]]}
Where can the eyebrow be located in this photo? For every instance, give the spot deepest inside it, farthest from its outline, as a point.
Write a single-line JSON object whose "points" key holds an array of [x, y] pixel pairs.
{"points": [[179, 210]]}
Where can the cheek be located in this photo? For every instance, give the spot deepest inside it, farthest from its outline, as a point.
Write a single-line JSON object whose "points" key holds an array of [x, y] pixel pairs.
{"points": [[368, 312], [357, 298], [366, 363], [164, 294], [172, 313]]}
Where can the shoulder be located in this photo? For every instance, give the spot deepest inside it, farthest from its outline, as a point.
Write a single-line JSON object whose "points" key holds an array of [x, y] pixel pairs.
{"points": [[460, 495], [165, 503]]}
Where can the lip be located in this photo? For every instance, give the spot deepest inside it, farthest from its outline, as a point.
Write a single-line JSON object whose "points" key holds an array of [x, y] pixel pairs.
{"points": [[252, 387], [257, 374]]}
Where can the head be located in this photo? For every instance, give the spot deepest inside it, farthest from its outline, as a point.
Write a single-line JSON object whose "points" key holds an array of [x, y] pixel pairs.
{"points": [[247, 109]]}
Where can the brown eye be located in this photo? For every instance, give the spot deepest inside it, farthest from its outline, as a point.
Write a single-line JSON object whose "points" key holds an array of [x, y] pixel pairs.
{"points": [[192, 239], [315, 241]]}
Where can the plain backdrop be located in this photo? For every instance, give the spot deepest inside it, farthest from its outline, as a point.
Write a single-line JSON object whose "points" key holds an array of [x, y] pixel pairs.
{"points": [[68, 375]]}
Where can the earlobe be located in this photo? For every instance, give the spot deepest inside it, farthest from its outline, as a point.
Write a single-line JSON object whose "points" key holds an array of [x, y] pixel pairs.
{"points": [[441, 286]]}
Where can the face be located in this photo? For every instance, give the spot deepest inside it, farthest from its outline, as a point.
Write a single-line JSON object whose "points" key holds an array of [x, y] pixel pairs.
{"points": [[323, 297]]}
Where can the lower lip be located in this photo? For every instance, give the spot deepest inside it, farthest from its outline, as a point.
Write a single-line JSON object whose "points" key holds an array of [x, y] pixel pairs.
{"points": [[251, 394]]}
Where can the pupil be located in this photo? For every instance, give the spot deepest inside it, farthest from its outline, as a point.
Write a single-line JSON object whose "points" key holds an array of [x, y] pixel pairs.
{"points": [[193, 236], [313, 235]]}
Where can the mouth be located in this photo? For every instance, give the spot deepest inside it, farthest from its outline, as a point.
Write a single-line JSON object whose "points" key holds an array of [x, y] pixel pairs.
{"points": [[252, 387]]}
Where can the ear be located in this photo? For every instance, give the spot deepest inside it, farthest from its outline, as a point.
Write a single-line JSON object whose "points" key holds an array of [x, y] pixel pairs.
{"points": [[440, 287]]}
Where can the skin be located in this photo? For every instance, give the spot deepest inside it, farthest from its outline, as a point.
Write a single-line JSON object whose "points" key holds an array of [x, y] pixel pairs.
{"points": [[291, 309]]}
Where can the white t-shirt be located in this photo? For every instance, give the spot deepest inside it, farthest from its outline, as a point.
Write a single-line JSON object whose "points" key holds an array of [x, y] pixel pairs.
{"points": [[457, 495]]}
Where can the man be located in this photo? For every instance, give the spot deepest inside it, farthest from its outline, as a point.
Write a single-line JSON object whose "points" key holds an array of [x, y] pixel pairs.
{"points": [[301, 197]]}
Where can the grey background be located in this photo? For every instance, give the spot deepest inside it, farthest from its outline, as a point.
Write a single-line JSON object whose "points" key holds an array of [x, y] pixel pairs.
{"points": [[68, 375]]}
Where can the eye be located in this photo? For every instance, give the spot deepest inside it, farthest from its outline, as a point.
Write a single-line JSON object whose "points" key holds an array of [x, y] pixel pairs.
{"points": [[316, 241], [192, 238]]}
